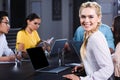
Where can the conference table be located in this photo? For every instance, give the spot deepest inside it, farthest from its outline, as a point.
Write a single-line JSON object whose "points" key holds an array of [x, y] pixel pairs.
{"points": [[24, 71]]}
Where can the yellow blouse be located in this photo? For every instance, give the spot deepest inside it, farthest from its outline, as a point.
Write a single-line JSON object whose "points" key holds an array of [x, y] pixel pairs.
{"points": [[29, 40]]}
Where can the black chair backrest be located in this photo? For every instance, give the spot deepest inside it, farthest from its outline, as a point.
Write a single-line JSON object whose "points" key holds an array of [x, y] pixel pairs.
{"points": [[11, 37]]}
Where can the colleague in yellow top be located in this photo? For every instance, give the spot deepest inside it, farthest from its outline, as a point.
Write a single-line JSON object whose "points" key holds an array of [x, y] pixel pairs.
{"points": [[28, 36]]}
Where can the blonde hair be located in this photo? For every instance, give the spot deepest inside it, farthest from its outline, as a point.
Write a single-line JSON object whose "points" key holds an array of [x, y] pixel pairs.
{"points": [[94, 5], [97, 8]]}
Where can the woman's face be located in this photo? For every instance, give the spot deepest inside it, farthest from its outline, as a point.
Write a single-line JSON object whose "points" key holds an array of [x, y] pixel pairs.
{"points": [[89, 19], [34, 24]]}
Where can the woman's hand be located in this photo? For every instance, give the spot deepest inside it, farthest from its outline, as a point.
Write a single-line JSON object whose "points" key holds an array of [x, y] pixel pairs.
{"points": [[19, 57], [77, 69], [71, 77], [114, 58], [46, 47]]}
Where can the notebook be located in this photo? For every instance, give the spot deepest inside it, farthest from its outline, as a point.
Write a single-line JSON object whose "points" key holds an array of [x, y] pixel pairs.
{"points": [[40, 62], [57, 46]]}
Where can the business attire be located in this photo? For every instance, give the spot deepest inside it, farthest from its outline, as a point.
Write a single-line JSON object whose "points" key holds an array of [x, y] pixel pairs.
{"points": [[97, 60], [4, 49], [29, 40], [78, 36]]}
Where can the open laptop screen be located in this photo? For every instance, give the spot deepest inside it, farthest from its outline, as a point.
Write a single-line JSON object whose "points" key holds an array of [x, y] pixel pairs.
{"points": [[40, 62], [37, 57], [72, 54], [57, 46], [76, 45]]}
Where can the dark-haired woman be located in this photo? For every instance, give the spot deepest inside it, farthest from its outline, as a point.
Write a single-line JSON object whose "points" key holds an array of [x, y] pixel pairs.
{"points": [[116, 55], [28, 36]]}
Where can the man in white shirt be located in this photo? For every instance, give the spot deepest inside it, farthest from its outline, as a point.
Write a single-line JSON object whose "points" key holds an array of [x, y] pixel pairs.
{"points": [[6, 54]]}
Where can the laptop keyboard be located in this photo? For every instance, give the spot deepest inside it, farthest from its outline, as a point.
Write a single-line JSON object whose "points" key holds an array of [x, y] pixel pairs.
{"points": [[54, 70], [59, 69]]}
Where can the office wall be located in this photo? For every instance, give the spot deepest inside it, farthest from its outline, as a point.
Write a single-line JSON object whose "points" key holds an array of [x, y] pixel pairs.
{"points": [[2, 5], [17, 13], [108, 10], [49, 27]]}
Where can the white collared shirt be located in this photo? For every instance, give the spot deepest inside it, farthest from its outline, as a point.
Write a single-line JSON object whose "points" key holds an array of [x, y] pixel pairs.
{"points": [[98, 62], [4, 49]]}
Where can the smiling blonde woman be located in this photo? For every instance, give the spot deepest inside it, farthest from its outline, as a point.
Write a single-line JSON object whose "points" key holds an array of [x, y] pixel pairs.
{"points": [[95, 53]]}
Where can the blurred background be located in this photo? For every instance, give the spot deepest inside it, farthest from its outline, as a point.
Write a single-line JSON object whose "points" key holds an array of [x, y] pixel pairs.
{"points": [[59, 17]]}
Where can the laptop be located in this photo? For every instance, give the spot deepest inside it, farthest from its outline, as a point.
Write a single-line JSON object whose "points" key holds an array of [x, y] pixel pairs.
{"points": [[72, 56], [76, 45], [40, 63], [57, 46]]}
